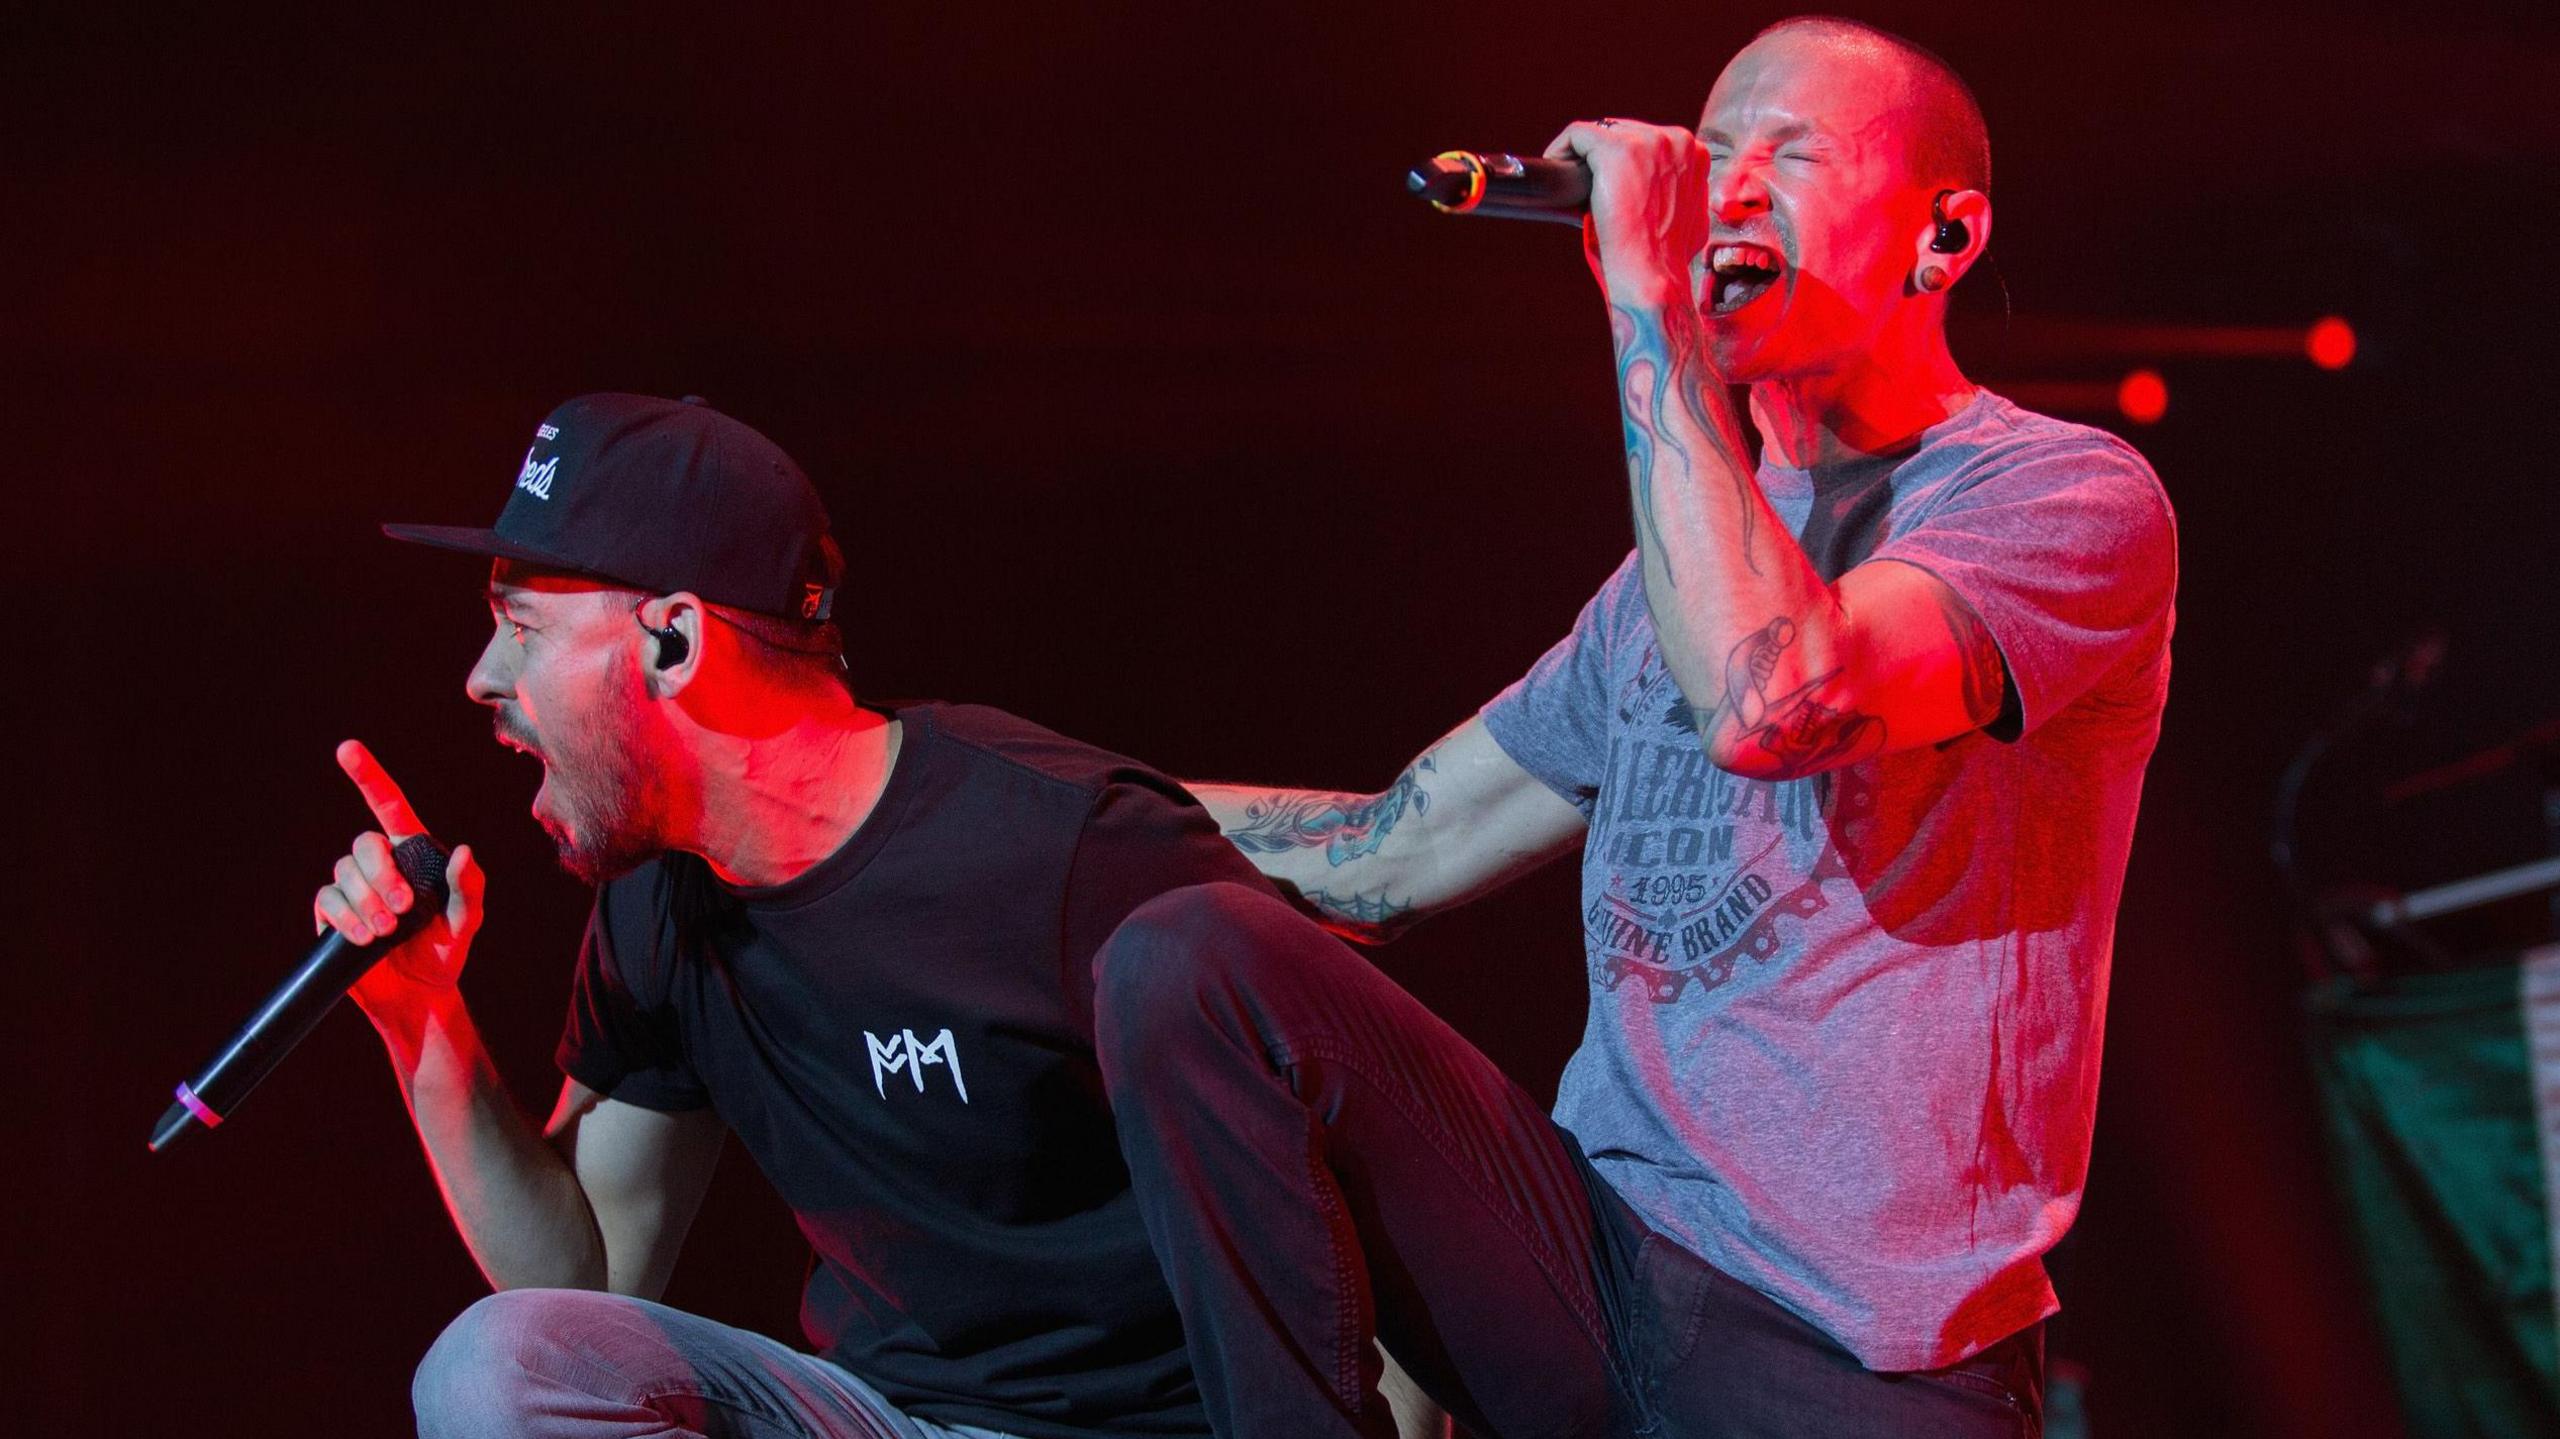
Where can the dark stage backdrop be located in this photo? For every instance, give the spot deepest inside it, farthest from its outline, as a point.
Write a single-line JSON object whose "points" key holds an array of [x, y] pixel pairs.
{"points": [[1150, 409]]}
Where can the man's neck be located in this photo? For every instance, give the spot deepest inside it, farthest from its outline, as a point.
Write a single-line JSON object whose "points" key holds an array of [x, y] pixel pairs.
{"points": [[1876, 406], [777, 803]]}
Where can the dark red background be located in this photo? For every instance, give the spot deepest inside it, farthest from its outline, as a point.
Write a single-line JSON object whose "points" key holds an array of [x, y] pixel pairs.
{"points": [[1151, 410]]}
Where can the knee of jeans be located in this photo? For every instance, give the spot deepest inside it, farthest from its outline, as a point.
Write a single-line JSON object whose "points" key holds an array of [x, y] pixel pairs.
{"points": [[469, 1371], [1160, 975]]}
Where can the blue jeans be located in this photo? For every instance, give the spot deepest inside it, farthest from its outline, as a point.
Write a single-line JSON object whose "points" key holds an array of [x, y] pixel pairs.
{"points": [[1317, 1158], [575, 1364]]}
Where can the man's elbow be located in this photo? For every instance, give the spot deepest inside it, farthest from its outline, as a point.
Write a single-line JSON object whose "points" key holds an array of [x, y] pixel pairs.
{"points": [[1740, 758], [1810, 738], [1744, 757]]}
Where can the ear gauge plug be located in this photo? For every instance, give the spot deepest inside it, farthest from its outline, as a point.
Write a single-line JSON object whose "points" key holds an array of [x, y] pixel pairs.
{"points": [[1931, 279]]}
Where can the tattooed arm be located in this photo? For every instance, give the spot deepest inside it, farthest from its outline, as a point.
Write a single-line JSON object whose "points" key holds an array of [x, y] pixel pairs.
{"points": [[1789, 675], [1462, 819]]}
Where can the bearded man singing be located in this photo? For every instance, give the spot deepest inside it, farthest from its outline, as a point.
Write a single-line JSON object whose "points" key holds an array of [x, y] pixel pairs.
{"points": [[860, 939]]}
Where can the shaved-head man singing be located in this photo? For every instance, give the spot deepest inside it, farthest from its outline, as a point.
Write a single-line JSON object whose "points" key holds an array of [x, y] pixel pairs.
{"points": [[1849, 746]]}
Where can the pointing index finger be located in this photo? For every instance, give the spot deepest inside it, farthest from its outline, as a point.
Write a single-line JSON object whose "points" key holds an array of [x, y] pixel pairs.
{"points": [[390, 807]]}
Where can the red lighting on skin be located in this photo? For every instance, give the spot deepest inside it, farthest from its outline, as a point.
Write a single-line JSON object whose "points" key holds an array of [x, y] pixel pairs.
{"points": [[2144, 397], [2331, 342]]}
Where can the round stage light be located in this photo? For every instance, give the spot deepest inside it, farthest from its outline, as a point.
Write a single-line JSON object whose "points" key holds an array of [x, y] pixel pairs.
{"points": [[2144, 397]]}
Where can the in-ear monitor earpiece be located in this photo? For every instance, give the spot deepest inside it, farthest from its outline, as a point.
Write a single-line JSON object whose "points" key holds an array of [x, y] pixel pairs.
{"points": [[672, 647], [1951, 235]]}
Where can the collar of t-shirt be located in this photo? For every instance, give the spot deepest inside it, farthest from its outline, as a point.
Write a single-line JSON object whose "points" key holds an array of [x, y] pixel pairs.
{"points": [[888, 815], [1965, 414]]}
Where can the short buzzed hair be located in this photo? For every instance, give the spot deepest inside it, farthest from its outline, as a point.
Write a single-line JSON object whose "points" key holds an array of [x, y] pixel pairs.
{"points": [[1952, 146]]}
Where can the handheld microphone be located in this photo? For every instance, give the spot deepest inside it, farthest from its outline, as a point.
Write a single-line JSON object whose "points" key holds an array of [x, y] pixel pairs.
{"points": [[1511, 187], [311, 991]]}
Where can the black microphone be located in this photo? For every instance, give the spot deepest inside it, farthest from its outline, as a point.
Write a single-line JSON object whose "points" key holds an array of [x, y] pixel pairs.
{"points": [[311, 991], [1512, 187]]}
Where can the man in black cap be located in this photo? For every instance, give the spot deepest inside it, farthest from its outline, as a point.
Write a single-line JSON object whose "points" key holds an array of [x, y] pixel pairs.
{"points": [[861, 940]]}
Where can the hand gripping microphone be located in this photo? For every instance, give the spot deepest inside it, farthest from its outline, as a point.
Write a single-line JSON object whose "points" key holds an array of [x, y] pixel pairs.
{"points": [[1511, 187], [311, 991]]}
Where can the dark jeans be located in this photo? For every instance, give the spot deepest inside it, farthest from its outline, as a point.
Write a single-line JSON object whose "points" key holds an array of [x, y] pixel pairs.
{"points": [[1318, 1158]]}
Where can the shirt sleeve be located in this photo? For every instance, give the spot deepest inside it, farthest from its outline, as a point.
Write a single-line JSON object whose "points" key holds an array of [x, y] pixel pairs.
{"points": [[2068, 554], [614, 1042], [1143, 835], [1553, 721]]}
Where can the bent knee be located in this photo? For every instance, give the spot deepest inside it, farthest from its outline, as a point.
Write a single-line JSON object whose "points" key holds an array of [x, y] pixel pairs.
{"points": [[1224, 966], [479, 1363], [1182, 918], [1180, 944]]}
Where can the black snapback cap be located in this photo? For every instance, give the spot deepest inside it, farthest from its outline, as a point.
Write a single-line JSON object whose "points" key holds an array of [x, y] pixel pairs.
{"points": [[662, 495]]}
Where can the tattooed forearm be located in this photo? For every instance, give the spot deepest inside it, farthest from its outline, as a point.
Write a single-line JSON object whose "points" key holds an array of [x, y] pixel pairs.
{"points": [[1662, 358], [1345, 826], [1783, 736], [1373, 917], [1293, 820], [1642, 375]]}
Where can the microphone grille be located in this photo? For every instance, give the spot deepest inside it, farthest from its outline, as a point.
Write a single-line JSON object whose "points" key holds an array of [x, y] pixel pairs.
{"points": [[421, 861]]}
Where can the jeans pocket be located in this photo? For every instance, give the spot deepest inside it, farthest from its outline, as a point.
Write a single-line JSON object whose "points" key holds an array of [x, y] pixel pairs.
{"points": [[1991, 1393], [1673, 1283]]}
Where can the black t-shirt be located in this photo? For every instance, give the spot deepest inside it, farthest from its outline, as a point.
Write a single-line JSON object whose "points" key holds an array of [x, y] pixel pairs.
{"points": [[903, 1038]]}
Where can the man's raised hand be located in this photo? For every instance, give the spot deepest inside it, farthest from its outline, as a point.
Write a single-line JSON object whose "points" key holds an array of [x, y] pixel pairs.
{"points": [[1648, 206], [368, 895]]}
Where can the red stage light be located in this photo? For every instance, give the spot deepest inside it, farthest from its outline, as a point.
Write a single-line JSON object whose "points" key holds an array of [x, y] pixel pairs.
{"points": [[2331, 341], [2144, 397]]}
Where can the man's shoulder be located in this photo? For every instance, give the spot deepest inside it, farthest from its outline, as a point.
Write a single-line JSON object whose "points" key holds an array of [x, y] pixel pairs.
{"points": [[1087, 799], [2000, 454], [1999, 432], [1005, 742]]}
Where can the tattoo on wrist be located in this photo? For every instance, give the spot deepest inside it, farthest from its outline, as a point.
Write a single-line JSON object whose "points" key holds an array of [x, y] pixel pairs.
{"points": [[1345, 826], [1802, 734], [1662, 355]]}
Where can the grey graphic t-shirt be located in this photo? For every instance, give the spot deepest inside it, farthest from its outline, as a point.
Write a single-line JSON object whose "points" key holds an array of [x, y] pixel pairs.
{"points": [[1843, 1037]]}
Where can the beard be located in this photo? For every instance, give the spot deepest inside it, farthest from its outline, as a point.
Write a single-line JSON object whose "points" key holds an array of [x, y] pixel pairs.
{"points": [[608, 804]]}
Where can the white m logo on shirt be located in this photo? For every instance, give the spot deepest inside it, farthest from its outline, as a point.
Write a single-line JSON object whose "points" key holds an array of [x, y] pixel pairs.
{"points": [[903, 1051]]}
